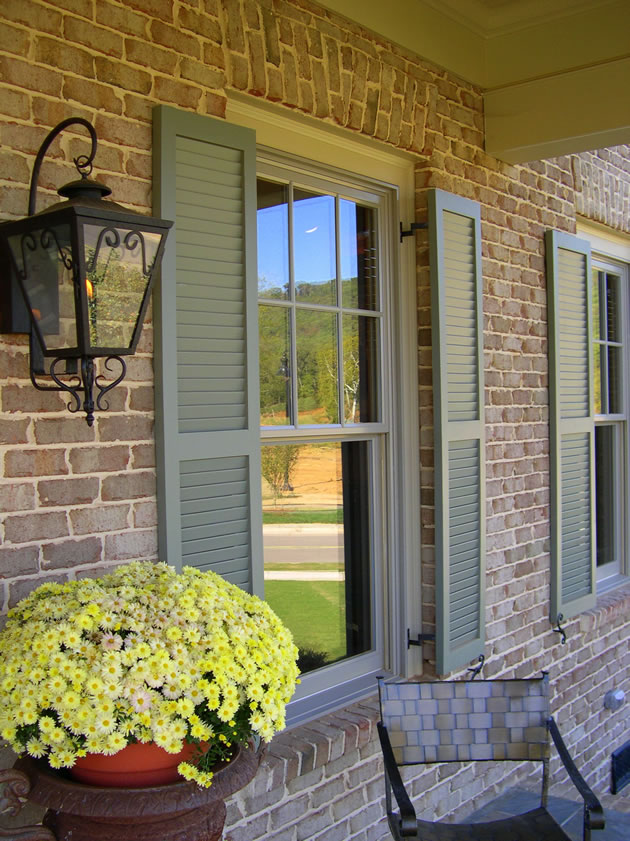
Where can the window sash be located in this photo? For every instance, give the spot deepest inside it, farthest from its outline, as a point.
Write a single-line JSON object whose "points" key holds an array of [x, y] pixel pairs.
{"points": [[352, 676], [612, 510]]}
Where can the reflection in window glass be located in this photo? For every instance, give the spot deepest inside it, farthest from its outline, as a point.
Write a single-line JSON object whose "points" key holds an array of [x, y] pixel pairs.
{"points": [[596, 311], [607, 344], [274, 351], [615, 404], [314, 247], [273, 239], [317, 374], [597, 377], [605, 508], [610, 426], [360, 382], [317, 546], [358, 253], [612, 308]]}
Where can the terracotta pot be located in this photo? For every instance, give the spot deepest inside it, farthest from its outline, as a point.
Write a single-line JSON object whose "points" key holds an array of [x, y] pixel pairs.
{"points": [[135, 766]]}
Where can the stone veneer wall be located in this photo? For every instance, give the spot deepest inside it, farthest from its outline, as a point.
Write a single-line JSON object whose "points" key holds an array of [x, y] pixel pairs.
{"points": [[76, 500]]}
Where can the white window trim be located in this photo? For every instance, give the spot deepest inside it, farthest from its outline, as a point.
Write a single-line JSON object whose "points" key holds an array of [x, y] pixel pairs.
{"points": [[371, 161], [612, 250]]}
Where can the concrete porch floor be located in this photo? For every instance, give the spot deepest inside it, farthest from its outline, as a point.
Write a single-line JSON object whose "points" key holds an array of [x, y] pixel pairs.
{"points": [[567, 812]]}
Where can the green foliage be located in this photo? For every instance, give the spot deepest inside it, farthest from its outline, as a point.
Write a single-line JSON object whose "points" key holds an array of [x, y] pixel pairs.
{"points": [[317, 362], [278, 463], [314, 612], [323, 515], [309, 659]]}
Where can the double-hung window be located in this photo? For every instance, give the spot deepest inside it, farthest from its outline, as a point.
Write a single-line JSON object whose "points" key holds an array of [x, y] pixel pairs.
{"points": [[610, 371], [324, 411], [588, 328]]}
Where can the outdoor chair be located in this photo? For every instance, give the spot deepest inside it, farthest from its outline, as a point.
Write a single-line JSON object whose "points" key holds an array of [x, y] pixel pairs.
{"points": [[461, 721]]}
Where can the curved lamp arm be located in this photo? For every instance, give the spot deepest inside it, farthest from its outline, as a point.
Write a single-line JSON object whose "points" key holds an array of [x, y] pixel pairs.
{"points": [[83, 162]]}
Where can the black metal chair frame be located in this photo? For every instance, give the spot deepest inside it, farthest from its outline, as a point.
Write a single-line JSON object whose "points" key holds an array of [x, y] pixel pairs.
{"points": [[535, 825]]}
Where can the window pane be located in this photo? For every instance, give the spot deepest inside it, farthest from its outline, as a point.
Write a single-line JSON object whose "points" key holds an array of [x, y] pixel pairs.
{"points": [[317, 546], [615, 404], [612, 308], [597, 317], [315, 255], [317, 370], [273, 239], [360, 367], [597, 378], [605, 508], [275, 366], [359, 263]]}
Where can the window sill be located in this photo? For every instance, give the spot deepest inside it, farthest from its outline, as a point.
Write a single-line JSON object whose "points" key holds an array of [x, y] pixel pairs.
{"points": [[612, 605]]}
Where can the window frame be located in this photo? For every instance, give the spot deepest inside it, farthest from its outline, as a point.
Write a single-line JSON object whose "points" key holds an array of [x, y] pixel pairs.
{"points": [[351, 677], [615, 572], [611, 250]]}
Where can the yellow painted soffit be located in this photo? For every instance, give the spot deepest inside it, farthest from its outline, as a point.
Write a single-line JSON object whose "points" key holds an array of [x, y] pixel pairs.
{"points": [[422, 30], [589, 34]]}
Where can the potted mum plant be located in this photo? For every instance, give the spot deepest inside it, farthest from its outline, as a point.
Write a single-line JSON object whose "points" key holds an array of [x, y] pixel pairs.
{"points": [[185, 665]]}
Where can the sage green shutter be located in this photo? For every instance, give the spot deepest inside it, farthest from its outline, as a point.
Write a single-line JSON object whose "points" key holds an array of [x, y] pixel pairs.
{"points": [[206, 335], [571, 425], [458, 386]]}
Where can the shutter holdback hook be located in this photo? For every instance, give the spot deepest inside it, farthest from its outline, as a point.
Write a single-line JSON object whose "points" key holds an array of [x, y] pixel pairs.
{"points": [[560, 630], [477, 669]]}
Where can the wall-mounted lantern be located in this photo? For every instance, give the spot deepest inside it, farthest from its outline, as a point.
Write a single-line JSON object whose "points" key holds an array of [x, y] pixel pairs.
{"points": [[85, 267]]}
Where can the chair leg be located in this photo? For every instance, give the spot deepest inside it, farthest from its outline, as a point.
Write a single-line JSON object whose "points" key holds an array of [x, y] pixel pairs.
{"points": [[544, 795]]}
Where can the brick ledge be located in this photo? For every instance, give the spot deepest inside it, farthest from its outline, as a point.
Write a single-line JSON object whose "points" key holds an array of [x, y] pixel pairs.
{"points": [[306, 747], [610, 607]]}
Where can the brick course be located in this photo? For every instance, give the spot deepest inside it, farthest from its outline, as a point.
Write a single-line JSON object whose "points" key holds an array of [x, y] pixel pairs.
{"points": [[112, 63]]}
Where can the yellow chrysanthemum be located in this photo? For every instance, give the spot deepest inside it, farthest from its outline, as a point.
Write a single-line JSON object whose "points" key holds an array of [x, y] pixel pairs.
{"points": [[96, 652]]}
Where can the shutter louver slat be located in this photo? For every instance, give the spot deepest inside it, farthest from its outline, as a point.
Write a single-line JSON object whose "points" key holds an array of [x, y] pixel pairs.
{"points": [[204, 179], [459, 428], [572, 426], [206, 345], [207, 482], [464, 548]]}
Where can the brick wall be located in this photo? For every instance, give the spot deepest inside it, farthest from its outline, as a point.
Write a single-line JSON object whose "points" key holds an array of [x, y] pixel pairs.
{"points": [[75, 500]]}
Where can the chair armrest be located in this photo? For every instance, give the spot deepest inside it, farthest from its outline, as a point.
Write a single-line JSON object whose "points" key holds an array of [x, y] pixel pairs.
{"points": [[592, 806], [408, 823]]}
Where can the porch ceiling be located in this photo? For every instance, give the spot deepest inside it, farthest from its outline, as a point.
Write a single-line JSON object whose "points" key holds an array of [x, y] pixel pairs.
{"points": [[555, 74]]}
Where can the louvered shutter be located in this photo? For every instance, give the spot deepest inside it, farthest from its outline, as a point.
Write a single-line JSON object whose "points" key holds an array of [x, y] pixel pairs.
{"points": [[207, 409], [571, 425], [457, 329]]}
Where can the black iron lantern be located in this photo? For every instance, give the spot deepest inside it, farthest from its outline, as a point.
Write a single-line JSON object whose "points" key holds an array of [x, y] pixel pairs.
{"points": [[85, 267]]}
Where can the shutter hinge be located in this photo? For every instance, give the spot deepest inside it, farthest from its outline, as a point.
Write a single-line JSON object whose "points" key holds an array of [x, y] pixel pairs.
{"points": [[415, 226], [419, 639]]}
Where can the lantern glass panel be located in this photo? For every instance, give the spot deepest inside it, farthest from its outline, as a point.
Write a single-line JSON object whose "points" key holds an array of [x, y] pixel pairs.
{"points": [[43, 258], [119, 263]]}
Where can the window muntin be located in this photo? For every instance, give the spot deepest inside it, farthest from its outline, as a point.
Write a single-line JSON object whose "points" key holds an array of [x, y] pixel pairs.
{"points": [[322, 334], [610, 303]]}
